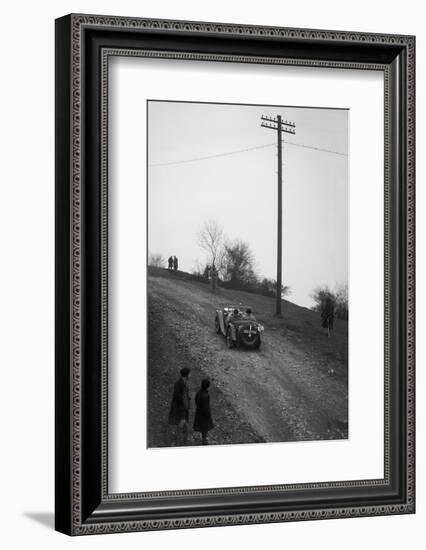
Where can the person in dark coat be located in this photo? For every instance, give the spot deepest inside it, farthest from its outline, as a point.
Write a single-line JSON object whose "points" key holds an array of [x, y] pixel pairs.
{"points": [[203, 421], [175, 263], [179, 408], [328, 313], [214, 276], [170, 262]]}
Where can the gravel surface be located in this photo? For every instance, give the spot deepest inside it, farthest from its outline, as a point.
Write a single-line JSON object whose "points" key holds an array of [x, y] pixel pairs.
{"points": [[295, 388]]}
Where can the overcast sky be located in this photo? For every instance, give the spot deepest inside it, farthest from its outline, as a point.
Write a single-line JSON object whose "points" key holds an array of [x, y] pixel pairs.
{"points": [[239, 190]]}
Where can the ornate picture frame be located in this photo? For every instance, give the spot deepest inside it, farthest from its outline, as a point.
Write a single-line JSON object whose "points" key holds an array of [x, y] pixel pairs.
{"points": [[84, 44]]}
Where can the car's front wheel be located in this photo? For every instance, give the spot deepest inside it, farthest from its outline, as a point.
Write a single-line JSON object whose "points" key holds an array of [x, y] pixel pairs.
{"points": [[250, 341]]}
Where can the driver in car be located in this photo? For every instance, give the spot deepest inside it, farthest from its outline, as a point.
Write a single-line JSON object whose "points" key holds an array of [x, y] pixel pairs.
{"points": [[249, 315], [235, 314]]}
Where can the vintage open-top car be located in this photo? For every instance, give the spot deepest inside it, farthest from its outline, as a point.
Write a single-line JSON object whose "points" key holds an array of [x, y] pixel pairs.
{"points": [[239, 327]]}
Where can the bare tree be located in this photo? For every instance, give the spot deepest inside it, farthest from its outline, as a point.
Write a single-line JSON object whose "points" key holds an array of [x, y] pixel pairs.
{"points": [[211, 238], [339, 296], [325, 304], [342, 302], [328, 312], [156, 260], [239, 263], [319, 295], [268, 287]]}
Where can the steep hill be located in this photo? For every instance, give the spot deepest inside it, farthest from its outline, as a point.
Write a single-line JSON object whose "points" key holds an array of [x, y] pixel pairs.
{"points": [[294, 388]]}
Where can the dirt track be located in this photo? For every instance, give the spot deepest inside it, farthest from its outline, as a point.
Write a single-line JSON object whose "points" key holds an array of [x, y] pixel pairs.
{"points": [[294, 388]]}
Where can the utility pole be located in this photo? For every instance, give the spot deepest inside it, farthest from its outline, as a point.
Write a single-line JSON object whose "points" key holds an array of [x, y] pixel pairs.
{"points": [[290, 128]]}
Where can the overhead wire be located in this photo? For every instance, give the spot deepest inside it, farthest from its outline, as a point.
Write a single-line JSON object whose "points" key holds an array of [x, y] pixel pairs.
{"points": [[314, 148], [238, 151], [225, 154]]}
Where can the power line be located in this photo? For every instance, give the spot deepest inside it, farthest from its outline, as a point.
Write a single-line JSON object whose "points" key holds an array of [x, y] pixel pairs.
{"points": [[225, 154], [314, 148], [238, 151]]}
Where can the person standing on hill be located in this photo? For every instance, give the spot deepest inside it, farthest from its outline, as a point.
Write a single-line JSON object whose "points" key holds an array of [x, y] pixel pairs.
{"points": [[175, 263], [170, 262], [179, 409], [203, 421], [328, 313]]}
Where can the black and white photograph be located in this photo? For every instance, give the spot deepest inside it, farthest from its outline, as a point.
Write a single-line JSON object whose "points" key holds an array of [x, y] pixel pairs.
{"points": [[210, 300], [248, 273]]}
